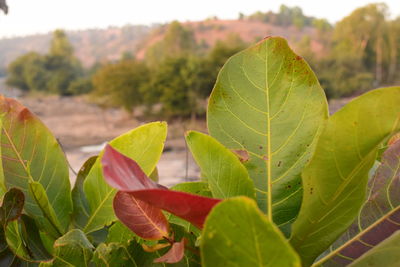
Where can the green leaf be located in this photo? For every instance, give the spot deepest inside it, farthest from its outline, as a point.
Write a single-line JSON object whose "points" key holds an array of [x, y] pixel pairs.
{"points": [[112, 254], [144, 145], [335, 181], [15, 242], [38, 193], [237, 233], [31, 153], [73, 249], [268, 102], [81, 210], [32, 240], [119, 233], [378, 218], [386, 253], [225, 174]]}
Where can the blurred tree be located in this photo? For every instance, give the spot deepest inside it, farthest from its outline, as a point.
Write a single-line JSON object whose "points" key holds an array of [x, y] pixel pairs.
{"points": [[28, 72], [173, 85], [60, 45], [120, 83], [361, 36], [178, 41], [53, 72]]}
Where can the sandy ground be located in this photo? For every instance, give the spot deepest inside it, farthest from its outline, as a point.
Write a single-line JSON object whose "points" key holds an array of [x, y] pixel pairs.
{"points": [[83, 128]]}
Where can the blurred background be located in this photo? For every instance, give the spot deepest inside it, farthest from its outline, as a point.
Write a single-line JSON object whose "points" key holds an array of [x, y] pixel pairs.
{"points": [[92, 70]]}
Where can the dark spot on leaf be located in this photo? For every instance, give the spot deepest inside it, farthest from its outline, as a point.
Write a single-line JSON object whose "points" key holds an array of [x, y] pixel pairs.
{"points": [[279, 163], [265, 158], [311, 190], [299, 58], [288, 186], [260, 147]]}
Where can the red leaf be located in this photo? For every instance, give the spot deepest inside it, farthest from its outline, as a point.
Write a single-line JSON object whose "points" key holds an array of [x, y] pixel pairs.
{"points": [[175, 254], [192, 208], [125, 174], [143, 219]]}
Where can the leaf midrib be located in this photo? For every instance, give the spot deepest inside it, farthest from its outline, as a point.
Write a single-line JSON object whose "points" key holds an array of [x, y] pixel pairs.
{"points": [[269, 155], [17, 153]]}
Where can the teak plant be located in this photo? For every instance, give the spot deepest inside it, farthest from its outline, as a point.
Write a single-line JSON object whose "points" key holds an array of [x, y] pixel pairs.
{"points": [[283, 183]]}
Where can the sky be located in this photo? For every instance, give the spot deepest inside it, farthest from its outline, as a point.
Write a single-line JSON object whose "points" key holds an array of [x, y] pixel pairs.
{"points": [[41, 16]]}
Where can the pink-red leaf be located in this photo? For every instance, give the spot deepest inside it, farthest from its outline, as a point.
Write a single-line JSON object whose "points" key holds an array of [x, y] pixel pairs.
{"points": [[145, 220], [125, 174], [175, 254], [192, 208]]}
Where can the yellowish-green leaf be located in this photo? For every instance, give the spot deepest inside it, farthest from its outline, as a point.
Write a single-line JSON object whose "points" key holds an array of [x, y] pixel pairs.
{"points": [[237, 233], [268, 102], [222, 169], [30, 153], [335, 181]]}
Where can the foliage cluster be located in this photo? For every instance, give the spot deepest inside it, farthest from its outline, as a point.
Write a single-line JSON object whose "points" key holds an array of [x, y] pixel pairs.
{"points": [[56, 72], [175, 74], [287, 16], [361, 52], [283, 183]]}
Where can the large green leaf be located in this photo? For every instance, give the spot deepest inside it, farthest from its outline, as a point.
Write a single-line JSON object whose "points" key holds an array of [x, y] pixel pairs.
{"points": [[336, 179], [31, 153], [237, 233], [378, 218], [143, 144], [386, 253], [225, 174], [72, 249], [268, 102]]}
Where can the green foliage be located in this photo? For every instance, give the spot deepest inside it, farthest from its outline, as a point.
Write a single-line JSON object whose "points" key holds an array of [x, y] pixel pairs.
{"points": [[237, 233], [221, 168], [287, 16], [178, 41], [248, 110], [268, 107], [55, 72], [120, 84], [173, 84]]}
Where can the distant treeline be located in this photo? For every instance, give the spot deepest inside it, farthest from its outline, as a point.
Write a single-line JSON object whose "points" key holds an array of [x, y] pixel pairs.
{"points": [[357, 54]]}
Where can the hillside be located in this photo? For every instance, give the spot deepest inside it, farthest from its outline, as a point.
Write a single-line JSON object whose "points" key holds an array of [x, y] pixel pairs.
{"points": [[209, 31], [90, 45], [109, 44]]}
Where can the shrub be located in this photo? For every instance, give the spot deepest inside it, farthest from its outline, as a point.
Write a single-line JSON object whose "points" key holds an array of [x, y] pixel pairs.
{"points": [[282, 182]]}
